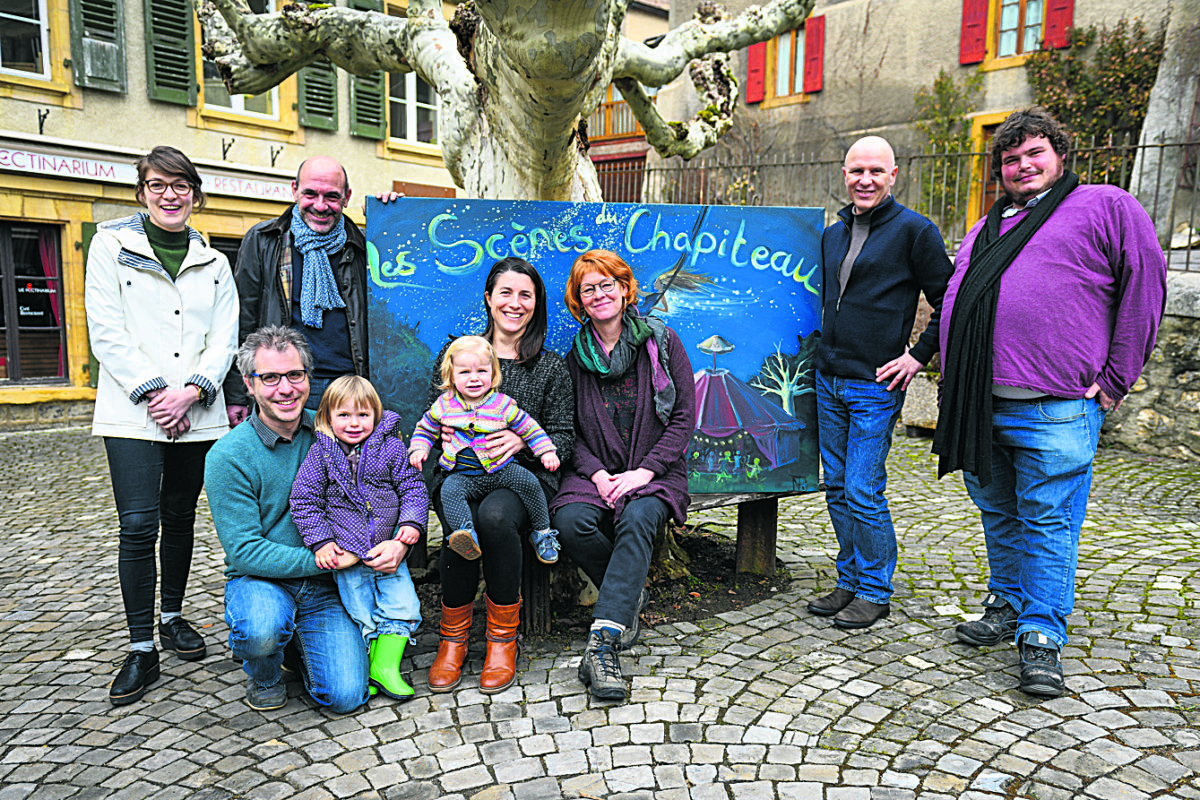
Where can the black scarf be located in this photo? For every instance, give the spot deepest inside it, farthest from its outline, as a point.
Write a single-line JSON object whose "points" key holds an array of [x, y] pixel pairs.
{"points": [[964, 428]]}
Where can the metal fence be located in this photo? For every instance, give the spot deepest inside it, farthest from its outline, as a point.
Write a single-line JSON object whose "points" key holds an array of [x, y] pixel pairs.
{"points": [[952, 188]]}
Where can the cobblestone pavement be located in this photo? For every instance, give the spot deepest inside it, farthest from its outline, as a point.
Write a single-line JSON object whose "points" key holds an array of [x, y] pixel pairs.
{"points": [[768, 702]]}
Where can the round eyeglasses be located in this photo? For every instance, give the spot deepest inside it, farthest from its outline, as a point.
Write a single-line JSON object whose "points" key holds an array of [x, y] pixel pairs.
{"points": [[181, 188]]}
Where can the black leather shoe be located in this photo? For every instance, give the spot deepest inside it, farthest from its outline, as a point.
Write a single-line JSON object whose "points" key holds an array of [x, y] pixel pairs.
{"points": [[181, 637], [831, 603], [861, 614], [1041, 668], [139, 671], [999, 622]]}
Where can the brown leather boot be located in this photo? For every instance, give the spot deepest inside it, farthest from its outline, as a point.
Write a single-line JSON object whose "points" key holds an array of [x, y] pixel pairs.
{"points": [[500, 662], [446, 670]]}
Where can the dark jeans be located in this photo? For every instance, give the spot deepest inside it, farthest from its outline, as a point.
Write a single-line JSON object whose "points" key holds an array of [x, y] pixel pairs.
{"points": [[154, 483], [500, 523], [615, 554]]}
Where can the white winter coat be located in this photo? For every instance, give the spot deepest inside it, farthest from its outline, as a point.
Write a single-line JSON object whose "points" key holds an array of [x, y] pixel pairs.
{"points": [[149, 331]]}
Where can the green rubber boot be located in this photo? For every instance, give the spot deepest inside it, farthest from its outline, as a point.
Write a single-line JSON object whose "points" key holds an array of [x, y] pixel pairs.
{"points": [[386, 652]]}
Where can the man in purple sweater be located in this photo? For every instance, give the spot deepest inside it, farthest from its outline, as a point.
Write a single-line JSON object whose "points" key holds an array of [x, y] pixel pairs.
{"points": [[1052, 312]]}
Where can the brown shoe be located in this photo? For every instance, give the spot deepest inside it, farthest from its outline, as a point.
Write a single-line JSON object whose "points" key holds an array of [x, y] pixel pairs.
{"points": [[446, 670], [831, 603], [500, 661], [861, 614]]}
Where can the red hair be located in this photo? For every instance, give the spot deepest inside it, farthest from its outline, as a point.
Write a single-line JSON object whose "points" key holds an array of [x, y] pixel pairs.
{"points": [[604, 262]]}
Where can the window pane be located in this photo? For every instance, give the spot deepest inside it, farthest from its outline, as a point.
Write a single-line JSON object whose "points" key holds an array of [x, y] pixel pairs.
{"points": [[1033, 26], [397, 108], [424, 92], [21, 46], [259, 103], [426, 125], [1008, 44], [1010, 13], [783, 64], [215, 93], [36, 321], [26, 9], [798, 73]]}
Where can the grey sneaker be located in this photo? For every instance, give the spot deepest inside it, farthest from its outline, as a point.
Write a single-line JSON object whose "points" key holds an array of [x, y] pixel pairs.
{"points": [[999, 622], [265, 698], [600, 669], [629, 636]]}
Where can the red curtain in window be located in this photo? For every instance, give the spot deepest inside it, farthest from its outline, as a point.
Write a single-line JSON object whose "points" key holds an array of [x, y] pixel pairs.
{"points": [[814, 54], [756, 72], [972, 47], [48, 250]]}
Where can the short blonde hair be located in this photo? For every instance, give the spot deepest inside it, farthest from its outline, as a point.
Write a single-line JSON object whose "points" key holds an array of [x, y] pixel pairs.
{"points": [[347, 390], [469, 344]]}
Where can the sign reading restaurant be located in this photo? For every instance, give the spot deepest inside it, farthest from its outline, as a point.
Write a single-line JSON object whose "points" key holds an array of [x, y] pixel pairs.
{"points": [[48, 164]]}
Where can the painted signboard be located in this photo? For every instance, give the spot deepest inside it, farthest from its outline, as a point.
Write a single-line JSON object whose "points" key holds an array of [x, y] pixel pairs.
{"points": [[740, 285]]}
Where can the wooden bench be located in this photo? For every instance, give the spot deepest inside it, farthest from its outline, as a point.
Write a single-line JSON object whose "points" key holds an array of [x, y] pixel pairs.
{"points": [[757, 534]]}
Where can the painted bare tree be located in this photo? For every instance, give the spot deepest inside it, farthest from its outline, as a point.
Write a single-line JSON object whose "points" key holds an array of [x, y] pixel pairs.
{"points": [[517, 79]]}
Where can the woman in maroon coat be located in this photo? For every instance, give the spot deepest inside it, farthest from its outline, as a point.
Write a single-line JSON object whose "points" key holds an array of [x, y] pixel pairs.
{"points": [[635, 411]]}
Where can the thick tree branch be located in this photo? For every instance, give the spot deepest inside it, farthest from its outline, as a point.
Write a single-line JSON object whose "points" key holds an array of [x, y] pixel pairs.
{"points": [[659, 65], [717, 88]]}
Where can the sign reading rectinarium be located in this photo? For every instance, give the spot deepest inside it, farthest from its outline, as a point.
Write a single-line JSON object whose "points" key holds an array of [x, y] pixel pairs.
{"points": [[49, 164]]}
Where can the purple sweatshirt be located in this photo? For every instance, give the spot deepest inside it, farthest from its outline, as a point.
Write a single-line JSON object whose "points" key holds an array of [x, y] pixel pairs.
{"points": [[328, 506], [1082, 302], [662, 449]]}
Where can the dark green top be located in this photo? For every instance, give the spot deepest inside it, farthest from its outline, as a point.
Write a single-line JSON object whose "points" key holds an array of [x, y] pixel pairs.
{"points": [[170, 246]]}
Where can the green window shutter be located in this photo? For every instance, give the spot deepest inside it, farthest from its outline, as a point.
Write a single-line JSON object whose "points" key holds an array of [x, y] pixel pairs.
{"points": [[88, 229], [368, 96], [318, 96], [98, 44], [170, 51]]}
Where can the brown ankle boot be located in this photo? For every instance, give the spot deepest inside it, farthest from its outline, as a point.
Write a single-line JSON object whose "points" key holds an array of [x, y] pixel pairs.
{"points": [[500, 662], [446, 670]]}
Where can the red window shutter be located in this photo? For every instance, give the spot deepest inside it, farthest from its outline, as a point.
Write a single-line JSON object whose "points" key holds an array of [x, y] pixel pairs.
{"points": [[1059, 16], [756, 73], [814, 53], [972, 48]]}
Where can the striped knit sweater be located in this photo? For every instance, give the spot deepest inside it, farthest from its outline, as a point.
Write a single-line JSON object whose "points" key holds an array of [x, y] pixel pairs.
{"points": [[471, 426]]}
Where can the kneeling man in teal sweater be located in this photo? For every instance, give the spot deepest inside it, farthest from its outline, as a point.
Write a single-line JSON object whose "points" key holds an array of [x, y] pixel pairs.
{"points": [[275, 595]]}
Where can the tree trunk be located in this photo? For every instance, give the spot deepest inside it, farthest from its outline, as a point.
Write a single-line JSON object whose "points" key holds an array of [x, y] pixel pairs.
{"points": [[1174, 104]]}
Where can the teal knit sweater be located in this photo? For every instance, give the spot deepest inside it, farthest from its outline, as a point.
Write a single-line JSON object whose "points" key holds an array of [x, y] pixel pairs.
{"points": [[248, 486]]}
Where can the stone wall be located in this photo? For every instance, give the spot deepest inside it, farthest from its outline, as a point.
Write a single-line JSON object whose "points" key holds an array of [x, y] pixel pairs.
{"points": [[22, 417], [1162, 413]]}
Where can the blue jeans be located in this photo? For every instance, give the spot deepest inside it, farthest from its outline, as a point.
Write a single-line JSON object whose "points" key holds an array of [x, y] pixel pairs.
{"points": [[855, 419], [1033, 509], [155, 484], [265, 615], [615, 553], [379, 603]]}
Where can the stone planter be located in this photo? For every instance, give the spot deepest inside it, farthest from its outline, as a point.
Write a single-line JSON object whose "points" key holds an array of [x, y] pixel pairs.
{"points": [[920, 411]]}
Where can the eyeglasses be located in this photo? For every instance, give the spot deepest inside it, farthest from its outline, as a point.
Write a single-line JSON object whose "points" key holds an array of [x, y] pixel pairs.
{"points": [[181, 188], [293, 376], [589, 289]]}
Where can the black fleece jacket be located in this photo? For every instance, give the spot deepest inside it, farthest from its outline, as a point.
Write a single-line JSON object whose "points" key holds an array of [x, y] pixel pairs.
{"points": [[871, 322]]}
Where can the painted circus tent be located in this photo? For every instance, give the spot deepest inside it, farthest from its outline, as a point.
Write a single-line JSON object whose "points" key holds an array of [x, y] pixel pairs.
{"points": [[741, 286]]}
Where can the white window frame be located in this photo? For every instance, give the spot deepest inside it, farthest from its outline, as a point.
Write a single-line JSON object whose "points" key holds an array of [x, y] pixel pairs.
{"points": [[238, 101], [409, 104], [44, 26]]}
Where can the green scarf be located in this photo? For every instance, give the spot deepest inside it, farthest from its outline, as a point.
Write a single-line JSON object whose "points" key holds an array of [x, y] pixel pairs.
{"points": [[635, 332]]}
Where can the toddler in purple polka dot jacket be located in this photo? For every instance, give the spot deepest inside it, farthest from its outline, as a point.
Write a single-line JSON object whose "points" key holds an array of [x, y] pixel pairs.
{"points": [[355, 501]]}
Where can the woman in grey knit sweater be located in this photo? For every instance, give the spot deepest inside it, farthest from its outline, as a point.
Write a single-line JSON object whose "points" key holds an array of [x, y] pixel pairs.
{"points": [[537, 379]]}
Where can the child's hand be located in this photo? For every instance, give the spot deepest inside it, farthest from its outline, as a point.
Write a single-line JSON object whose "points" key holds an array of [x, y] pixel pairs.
{"points": [[327, 556], [417, 457], [408, 534], [550, 461], [346, 560]]}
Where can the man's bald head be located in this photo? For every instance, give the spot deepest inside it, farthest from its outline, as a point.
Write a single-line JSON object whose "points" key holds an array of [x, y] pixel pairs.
{"points": [[870, 172]]}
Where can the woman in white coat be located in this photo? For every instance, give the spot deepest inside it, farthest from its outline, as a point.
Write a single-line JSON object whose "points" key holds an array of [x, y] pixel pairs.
{"points": [[162, 314]]}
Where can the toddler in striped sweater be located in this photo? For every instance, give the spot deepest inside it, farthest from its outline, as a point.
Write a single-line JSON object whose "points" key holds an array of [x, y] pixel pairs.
{"points": [[472, 407]]}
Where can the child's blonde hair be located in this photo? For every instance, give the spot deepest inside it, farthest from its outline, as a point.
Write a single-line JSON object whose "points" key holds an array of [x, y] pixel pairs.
{"points": [[469, 344], [347, 390]]}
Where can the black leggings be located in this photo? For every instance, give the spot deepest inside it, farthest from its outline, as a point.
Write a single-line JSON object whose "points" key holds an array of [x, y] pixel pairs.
{"points": [[501, 523]]}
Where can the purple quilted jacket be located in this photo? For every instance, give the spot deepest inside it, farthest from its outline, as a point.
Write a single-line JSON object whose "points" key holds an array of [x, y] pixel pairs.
{"points": [[327, 506]]}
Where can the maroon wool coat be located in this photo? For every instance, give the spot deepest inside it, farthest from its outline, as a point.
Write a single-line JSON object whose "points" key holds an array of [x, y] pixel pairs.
{"points": [[662, 449]]}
